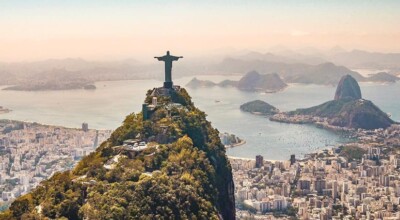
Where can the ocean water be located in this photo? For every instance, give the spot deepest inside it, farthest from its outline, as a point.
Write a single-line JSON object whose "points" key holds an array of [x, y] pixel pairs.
{"points": [[107, 106]]}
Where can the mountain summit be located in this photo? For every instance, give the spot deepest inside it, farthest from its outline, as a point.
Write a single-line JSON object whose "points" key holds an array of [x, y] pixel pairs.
{"points": [[166, 162], [348, 88]]}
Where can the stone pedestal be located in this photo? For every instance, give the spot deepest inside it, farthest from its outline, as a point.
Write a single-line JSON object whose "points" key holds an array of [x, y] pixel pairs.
{"points": [[168, 85]]}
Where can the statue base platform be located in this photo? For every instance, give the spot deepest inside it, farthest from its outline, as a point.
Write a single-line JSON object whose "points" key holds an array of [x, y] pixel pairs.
{"points": [[168, 85]]}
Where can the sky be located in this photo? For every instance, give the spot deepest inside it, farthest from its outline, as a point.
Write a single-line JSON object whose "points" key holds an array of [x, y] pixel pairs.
{"points": [[122, 29]]}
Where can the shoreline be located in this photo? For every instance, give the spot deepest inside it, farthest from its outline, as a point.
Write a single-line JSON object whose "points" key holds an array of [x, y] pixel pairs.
{"points": [[252, 159], [4, 110], [48, 125], [235, 145], [306, 119]]}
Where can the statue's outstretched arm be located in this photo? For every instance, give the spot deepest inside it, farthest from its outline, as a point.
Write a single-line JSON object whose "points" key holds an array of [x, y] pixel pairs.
{"points": [[159, 58], [176, 58]]}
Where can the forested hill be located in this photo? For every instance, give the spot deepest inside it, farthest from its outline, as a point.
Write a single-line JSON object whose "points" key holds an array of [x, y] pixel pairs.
{"points": [[181, 172], [348, 109]]}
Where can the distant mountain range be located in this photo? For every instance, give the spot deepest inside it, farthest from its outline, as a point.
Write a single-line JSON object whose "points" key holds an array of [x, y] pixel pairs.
{"points": [[364, 59], [383, 77], [325, 73], [306, 65], [355, 59]]}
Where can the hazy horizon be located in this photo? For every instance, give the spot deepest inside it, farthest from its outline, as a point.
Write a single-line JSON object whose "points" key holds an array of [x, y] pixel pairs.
{"points": [[108, 30]]}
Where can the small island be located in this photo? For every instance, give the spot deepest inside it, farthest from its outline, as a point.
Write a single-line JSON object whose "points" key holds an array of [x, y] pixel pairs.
{"points": [[4, 110], [230, 140], [259, 107]]}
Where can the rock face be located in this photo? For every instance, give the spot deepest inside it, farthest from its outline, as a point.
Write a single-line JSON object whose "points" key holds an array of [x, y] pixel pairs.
{"points": [[348, 88], [253, 81], [259, 107]]}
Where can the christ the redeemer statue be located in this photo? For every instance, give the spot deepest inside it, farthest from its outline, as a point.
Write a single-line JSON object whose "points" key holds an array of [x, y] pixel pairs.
{"points": [[168, 59]]}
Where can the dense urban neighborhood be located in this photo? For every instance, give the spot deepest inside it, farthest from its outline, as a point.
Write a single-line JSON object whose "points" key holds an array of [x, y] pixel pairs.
{"points": [[30, 153], [354, 181]]}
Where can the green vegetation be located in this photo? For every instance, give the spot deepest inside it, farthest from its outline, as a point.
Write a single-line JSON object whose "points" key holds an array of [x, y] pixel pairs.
{"points": [[259, 107], [350, 113], [184, 175], [348, 109], [352, 152], [244, 206]]}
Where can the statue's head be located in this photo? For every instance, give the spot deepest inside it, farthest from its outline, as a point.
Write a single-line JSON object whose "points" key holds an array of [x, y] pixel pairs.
{"points": [[168, 52]]}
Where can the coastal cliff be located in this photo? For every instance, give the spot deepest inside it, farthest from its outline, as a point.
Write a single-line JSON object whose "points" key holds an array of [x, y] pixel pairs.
{"points": [[164, 162]]}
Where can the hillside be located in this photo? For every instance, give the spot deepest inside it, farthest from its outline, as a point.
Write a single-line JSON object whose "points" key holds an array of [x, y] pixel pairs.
{"points": [[228, 83], [259, 107], [349, 113], [195, 83], [165, 162], [323, 74], [348, 109], [383, 77], [253, 81]]}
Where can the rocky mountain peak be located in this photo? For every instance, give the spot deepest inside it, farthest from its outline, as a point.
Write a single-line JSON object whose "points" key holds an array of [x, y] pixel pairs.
{"points": [[348, 88]]}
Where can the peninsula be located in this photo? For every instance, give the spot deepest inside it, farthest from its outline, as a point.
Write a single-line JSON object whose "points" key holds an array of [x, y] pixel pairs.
{"points": [[346, 112]]}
